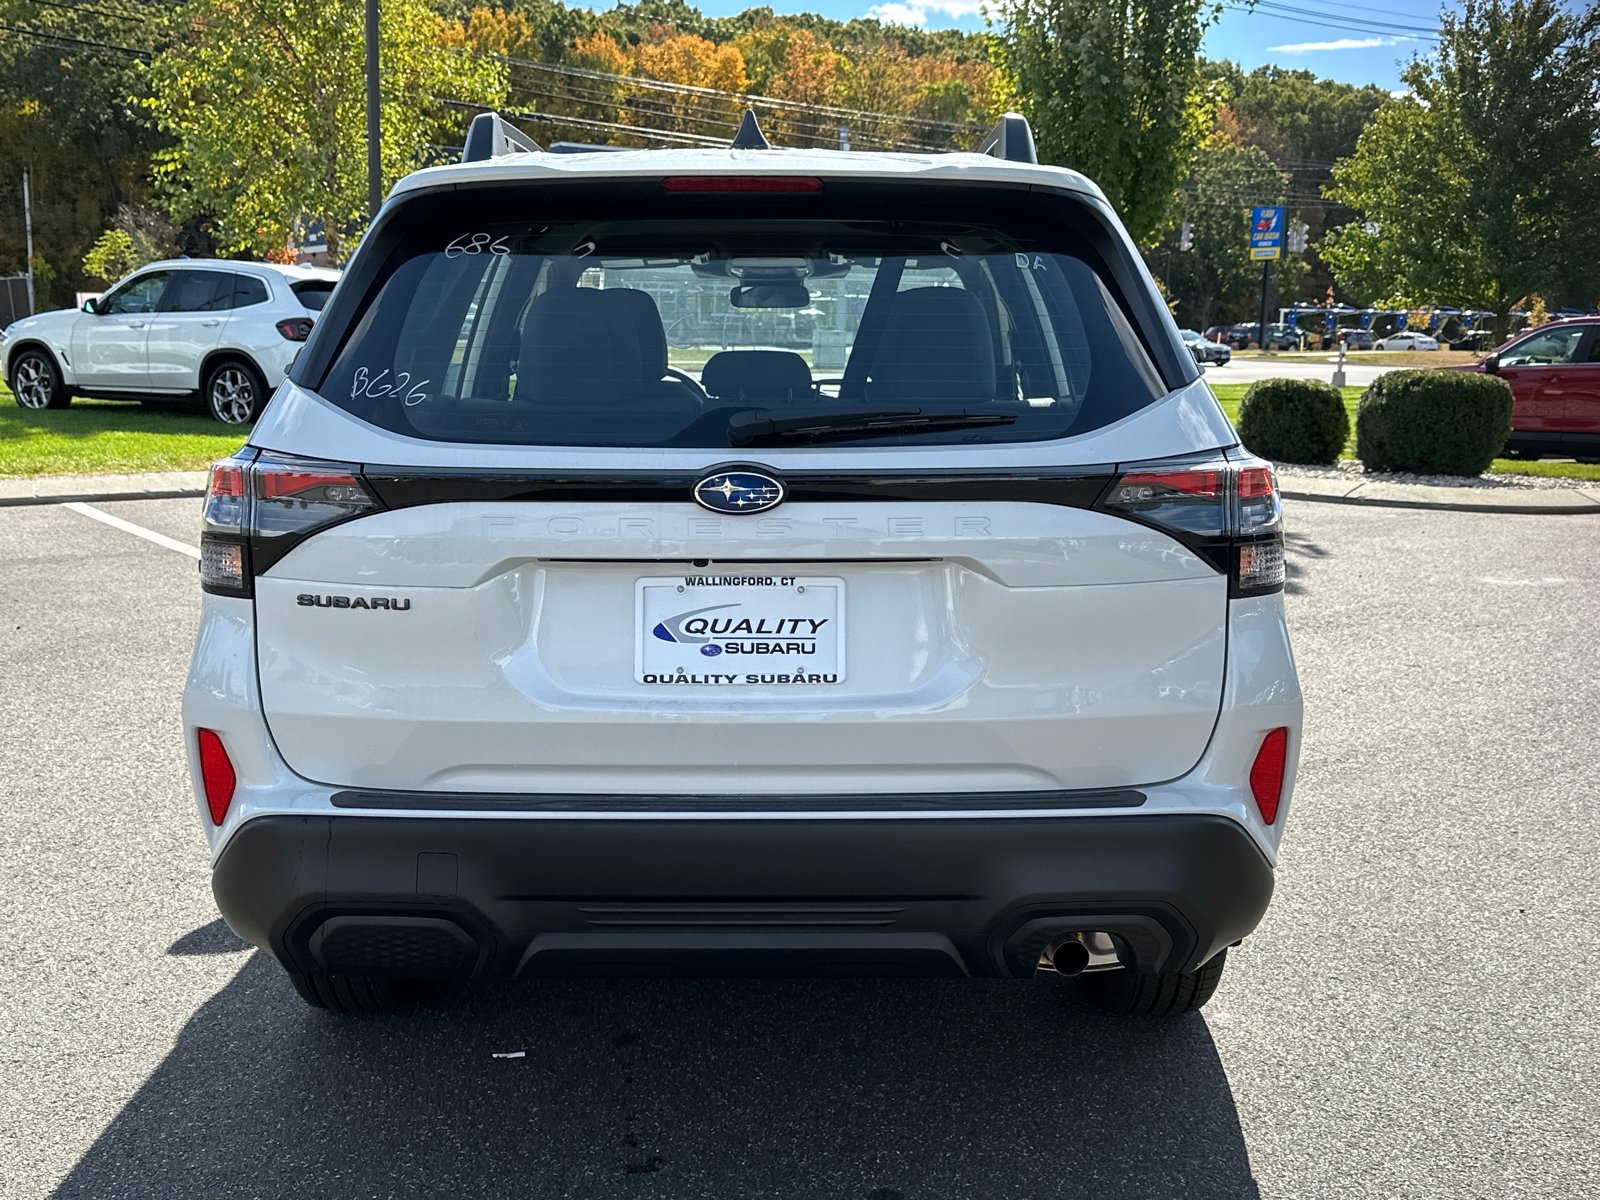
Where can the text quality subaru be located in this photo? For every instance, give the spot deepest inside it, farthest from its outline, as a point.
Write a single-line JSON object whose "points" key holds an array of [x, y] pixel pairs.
{"points": [[744, 561]]}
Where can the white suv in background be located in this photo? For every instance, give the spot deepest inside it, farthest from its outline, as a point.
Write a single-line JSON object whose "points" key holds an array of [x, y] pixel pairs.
{"points": [[744, 561], [216, 332]]}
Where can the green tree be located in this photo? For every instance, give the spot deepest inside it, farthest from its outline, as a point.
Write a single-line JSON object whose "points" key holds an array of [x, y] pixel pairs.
{"points": [[1112, 90], [1215, 280], [265, 104], [70, 80], [1483, 188], [111, 257], [1293, 115]]}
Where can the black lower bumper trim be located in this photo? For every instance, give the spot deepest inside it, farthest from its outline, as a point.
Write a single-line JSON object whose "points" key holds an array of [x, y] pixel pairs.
{"points": [[467, 897], [578, 802], [1554, 442]]}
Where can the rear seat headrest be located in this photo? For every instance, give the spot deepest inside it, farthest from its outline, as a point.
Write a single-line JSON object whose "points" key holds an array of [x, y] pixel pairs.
{"points": [[757, 375]]}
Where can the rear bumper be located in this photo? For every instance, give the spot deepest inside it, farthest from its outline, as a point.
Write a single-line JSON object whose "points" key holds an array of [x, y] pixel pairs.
{"points": [[480, 896]]}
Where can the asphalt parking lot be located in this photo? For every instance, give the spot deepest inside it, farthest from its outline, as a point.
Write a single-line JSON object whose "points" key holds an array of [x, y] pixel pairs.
{"points": [[1416, 1018]]}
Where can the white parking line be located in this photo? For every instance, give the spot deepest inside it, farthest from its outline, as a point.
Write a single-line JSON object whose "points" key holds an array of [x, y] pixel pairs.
{"points": [[149, 535]]}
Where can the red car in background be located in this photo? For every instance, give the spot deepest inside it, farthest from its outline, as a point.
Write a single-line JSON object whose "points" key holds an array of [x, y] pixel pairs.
{"points": [[1554, 373]]}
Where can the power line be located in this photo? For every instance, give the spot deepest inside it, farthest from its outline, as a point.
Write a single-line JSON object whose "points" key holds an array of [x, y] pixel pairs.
{"points": [[56, 38], [664, 135], [1285, 13], [660, 85], [710, 121], [1345, 4]]}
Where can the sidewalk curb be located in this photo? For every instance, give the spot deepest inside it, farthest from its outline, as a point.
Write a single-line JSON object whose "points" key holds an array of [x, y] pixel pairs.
{"points": [[86, 489], [90, 497], [1444, 506]]}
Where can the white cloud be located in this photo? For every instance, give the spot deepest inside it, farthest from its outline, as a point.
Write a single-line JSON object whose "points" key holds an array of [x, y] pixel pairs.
{"points": [[915, 12], [1339, 44]]}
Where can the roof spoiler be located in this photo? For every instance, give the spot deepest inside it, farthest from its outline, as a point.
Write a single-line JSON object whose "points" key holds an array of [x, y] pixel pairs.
{"points": [[586, 148], [1011, 139], [492, 136]]}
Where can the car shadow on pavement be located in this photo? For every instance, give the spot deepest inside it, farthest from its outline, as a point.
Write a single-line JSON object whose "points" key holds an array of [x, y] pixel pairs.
{"points": [[869, 1089], [215, 938], [1298, 551]]}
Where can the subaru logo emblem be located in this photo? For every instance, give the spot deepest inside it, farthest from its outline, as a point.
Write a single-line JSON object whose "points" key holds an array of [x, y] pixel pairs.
{"points": [[738, 492]]}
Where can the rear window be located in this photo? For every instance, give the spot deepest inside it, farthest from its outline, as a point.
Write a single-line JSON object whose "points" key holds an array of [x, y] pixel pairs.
{"points": [[733, 325], [312, 293]]}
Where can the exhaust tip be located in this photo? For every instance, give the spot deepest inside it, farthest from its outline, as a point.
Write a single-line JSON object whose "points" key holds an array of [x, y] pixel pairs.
{"points": [[1069, 956]]}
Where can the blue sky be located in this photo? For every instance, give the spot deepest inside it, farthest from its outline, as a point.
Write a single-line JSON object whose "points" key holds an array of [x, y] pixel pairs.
{"points": [[1360, 41]]}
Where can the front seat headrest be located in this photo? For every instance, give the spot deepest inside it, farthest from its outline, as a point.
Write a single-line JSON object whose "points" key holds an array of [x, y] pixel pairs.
{"points": [[577, 345], [936, 346], [640, 309]]}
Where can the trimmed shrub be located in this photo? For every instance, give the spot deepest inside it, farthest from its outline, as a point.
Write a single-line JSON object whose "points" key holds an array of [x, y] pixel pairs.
{"points": [[1294, 420], [1433, 422]]}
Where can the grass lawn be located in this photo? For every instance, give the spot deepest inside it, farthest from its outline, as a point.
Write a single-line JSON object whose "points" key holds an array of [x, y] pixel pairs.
{"points": [[1231, 393], [1368, 358], [108, 437]]}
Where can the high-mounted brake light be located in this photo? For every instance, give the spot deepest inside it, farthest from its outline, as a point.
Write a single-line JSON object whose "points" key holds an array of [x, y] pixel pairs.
{"points": [[1266, 773], [742, 184], [217, 776]]}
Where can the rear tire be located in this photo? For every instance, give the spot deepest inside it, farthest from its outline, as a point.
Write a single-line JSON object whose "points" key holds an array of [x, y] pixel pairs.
{"points": [[36, 382], [360, 993], [1167, 994], [235, 393]]}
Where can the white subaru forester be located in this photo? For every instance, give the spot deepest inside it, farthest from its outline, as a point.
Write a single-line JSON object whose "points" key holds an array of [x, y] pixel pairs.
{"points": [[744, 561]]}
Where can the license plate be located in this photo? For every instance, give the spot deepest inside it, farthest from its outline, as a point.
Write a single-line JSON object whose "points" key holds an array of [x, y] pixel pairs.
{"points": [[739, 630]]}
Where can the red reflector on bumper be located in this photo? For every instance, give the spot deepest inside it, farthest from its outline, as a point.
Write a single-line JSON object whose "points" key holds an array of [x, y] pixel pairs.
{"points": [[216, 775], [1266, 773]]}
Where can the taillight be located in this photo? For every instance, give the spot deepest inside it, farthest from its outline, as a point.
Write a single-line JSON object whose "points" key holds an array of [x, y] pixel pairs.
{"points": [[296, 329], [1187, 497], [217, 778], [293, 496], [1224, 509], [742, 184], [1266, 773], [261, 505]]}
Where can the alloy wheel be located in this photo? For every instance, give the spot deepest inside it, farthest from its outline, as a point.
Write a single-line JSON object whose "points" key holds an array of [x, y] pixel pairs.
{"points": [[32, 384], [233, 396]]}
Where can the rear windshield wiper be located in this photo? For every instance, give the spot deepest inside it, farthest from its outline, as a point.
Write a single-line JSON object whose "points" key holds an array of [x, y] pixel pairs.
{"points": [[762, 428]]}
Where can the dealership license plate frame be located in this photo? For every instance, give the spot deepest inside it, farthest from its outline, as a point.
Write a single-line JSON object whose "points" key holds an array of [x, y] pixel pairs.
{"points": [[761, 603]]}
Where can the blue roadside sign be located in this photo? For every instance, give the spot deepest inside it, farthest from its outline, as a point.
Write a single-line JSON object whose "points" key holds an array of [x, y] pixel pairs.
{"points": [[1266, 232]]}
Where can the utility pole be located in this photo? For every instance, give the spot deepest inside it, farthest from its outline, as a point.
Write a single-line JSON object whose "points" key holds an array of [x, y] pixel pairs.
{"points": [[27, 224], [1266, 278], [374, 121]]}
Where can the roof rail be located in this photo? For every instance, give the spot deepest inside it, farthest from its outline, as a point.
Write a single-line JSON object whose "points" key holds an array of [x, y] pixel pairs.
{"points": [[750, 136], [1011, 139], [491, 136]]}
